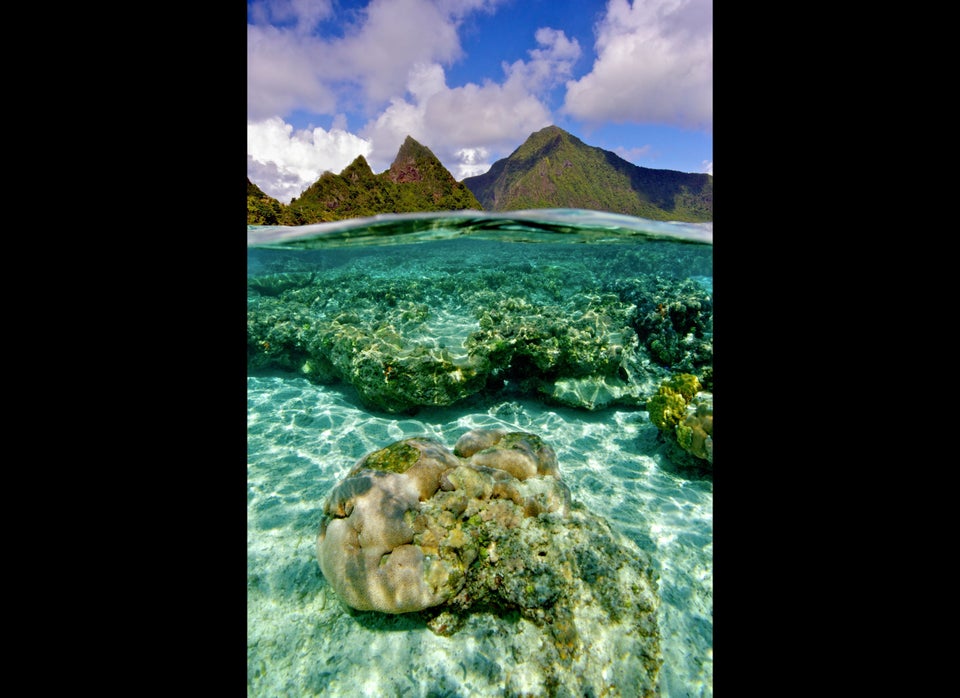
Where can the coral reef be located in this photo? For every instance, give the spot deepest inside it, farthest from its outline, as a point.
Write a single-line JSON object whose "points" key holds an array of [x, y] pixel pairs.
{"points": [[673, 320], [695, 432], [683, 412], [490, 528], [401, 530], [560, 334], [365, 545]]}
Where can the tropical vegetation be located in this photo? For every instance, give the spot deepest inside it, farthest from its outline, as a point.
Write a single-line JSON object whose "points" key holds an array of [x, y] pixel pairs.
{"points": [[551, 169]]}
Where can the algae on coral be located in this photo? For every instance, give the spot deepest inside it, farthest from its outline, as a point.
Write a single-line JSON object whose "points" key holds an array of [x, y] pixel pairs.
{"points": [[479, 539]]}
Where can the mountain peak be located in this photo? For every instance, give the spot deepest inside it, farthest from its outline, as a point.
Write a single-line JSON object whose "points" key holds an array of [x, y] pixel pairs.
{"points": [[549, 137], [551, 169], [416, 181], [358, 170], [414, 163], [555, 169], [551, 130]]}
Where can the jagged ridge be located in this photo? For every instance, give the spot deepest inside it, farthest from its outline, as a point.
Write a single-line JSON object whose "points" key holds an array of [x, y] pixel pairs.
{"points": [[416, 181]]}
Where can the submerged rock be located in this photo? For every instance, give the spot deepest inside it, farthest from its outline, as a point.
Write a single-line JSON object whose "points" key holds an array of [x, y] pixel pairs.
{"points": [[490, 528]]}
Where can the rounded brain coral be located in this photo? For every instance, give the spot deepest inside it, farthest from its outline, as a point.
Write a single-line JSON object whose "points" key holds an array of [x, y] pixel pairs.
{"points": [[416, 528], [364, 547], [521, 454], [392, 536]]}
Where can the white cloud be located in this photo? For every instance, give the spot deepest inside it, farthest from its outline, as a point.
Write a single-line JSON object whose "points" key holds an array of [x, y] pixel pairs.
{"points": [[489, 115], [654, 65], [466, 126], [385, 65], [281, 75], [283, 163], [471, 162], [708, 167], [395, 36], [425, 81], [389, 64], [456, 124], [386, 133], [288, 68], [547, 66], [273, 180]]}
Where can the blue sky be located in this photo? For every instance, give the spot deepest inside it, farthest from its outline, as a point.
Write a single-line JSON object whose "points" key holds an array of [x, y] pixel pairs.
{"points": [[328, 80]]}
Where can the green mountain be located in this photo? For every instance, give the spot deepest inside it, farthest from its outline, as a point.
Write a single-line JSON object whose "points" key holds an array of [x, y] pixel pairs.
{"points": [[416, 181], [261, 208], [554, 169]]}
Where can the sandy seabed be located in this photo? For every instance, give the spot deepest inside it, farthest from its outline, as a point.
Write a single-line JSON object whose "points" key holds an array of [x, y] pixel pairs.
{"points": [[301, 641]]}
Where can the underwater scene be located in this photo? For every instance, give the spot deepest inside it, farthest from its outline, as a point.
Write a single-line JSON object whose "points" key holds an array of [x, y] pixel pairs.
{"points": [[480, 456]]}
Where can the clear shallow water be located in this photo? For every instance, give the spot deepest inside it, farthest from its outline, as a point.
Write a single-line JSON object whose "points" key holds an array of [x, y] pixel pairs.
{"points": [[304, 435]]}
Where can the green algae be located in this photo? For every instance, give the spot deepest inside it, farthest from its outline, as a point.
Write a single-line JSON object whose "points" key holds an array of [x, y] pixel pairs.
{"points": [[395, 458]]}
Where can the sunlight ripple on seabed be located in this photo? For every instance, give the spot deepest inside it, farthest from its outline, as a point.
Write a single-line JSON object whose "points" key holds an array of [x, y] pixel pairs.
{"points": [[289, 477]]}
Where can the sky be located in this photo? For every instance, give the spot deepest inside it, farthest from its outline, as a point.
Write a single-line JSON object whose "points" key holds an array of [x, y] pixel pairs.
{"points": [[329, 80]]}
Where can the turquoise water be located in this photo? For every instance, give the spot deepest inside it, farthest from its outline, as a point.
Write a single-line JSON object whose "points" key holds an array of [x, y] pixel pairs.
{"points": [[560, 323]]}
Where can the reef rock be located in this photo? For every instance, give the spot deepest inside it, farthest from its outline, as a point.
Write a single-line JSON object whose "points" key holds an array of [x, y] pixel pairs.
{"points": [[404, 344], [491, 528], [683, 412], [695, 432]]}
